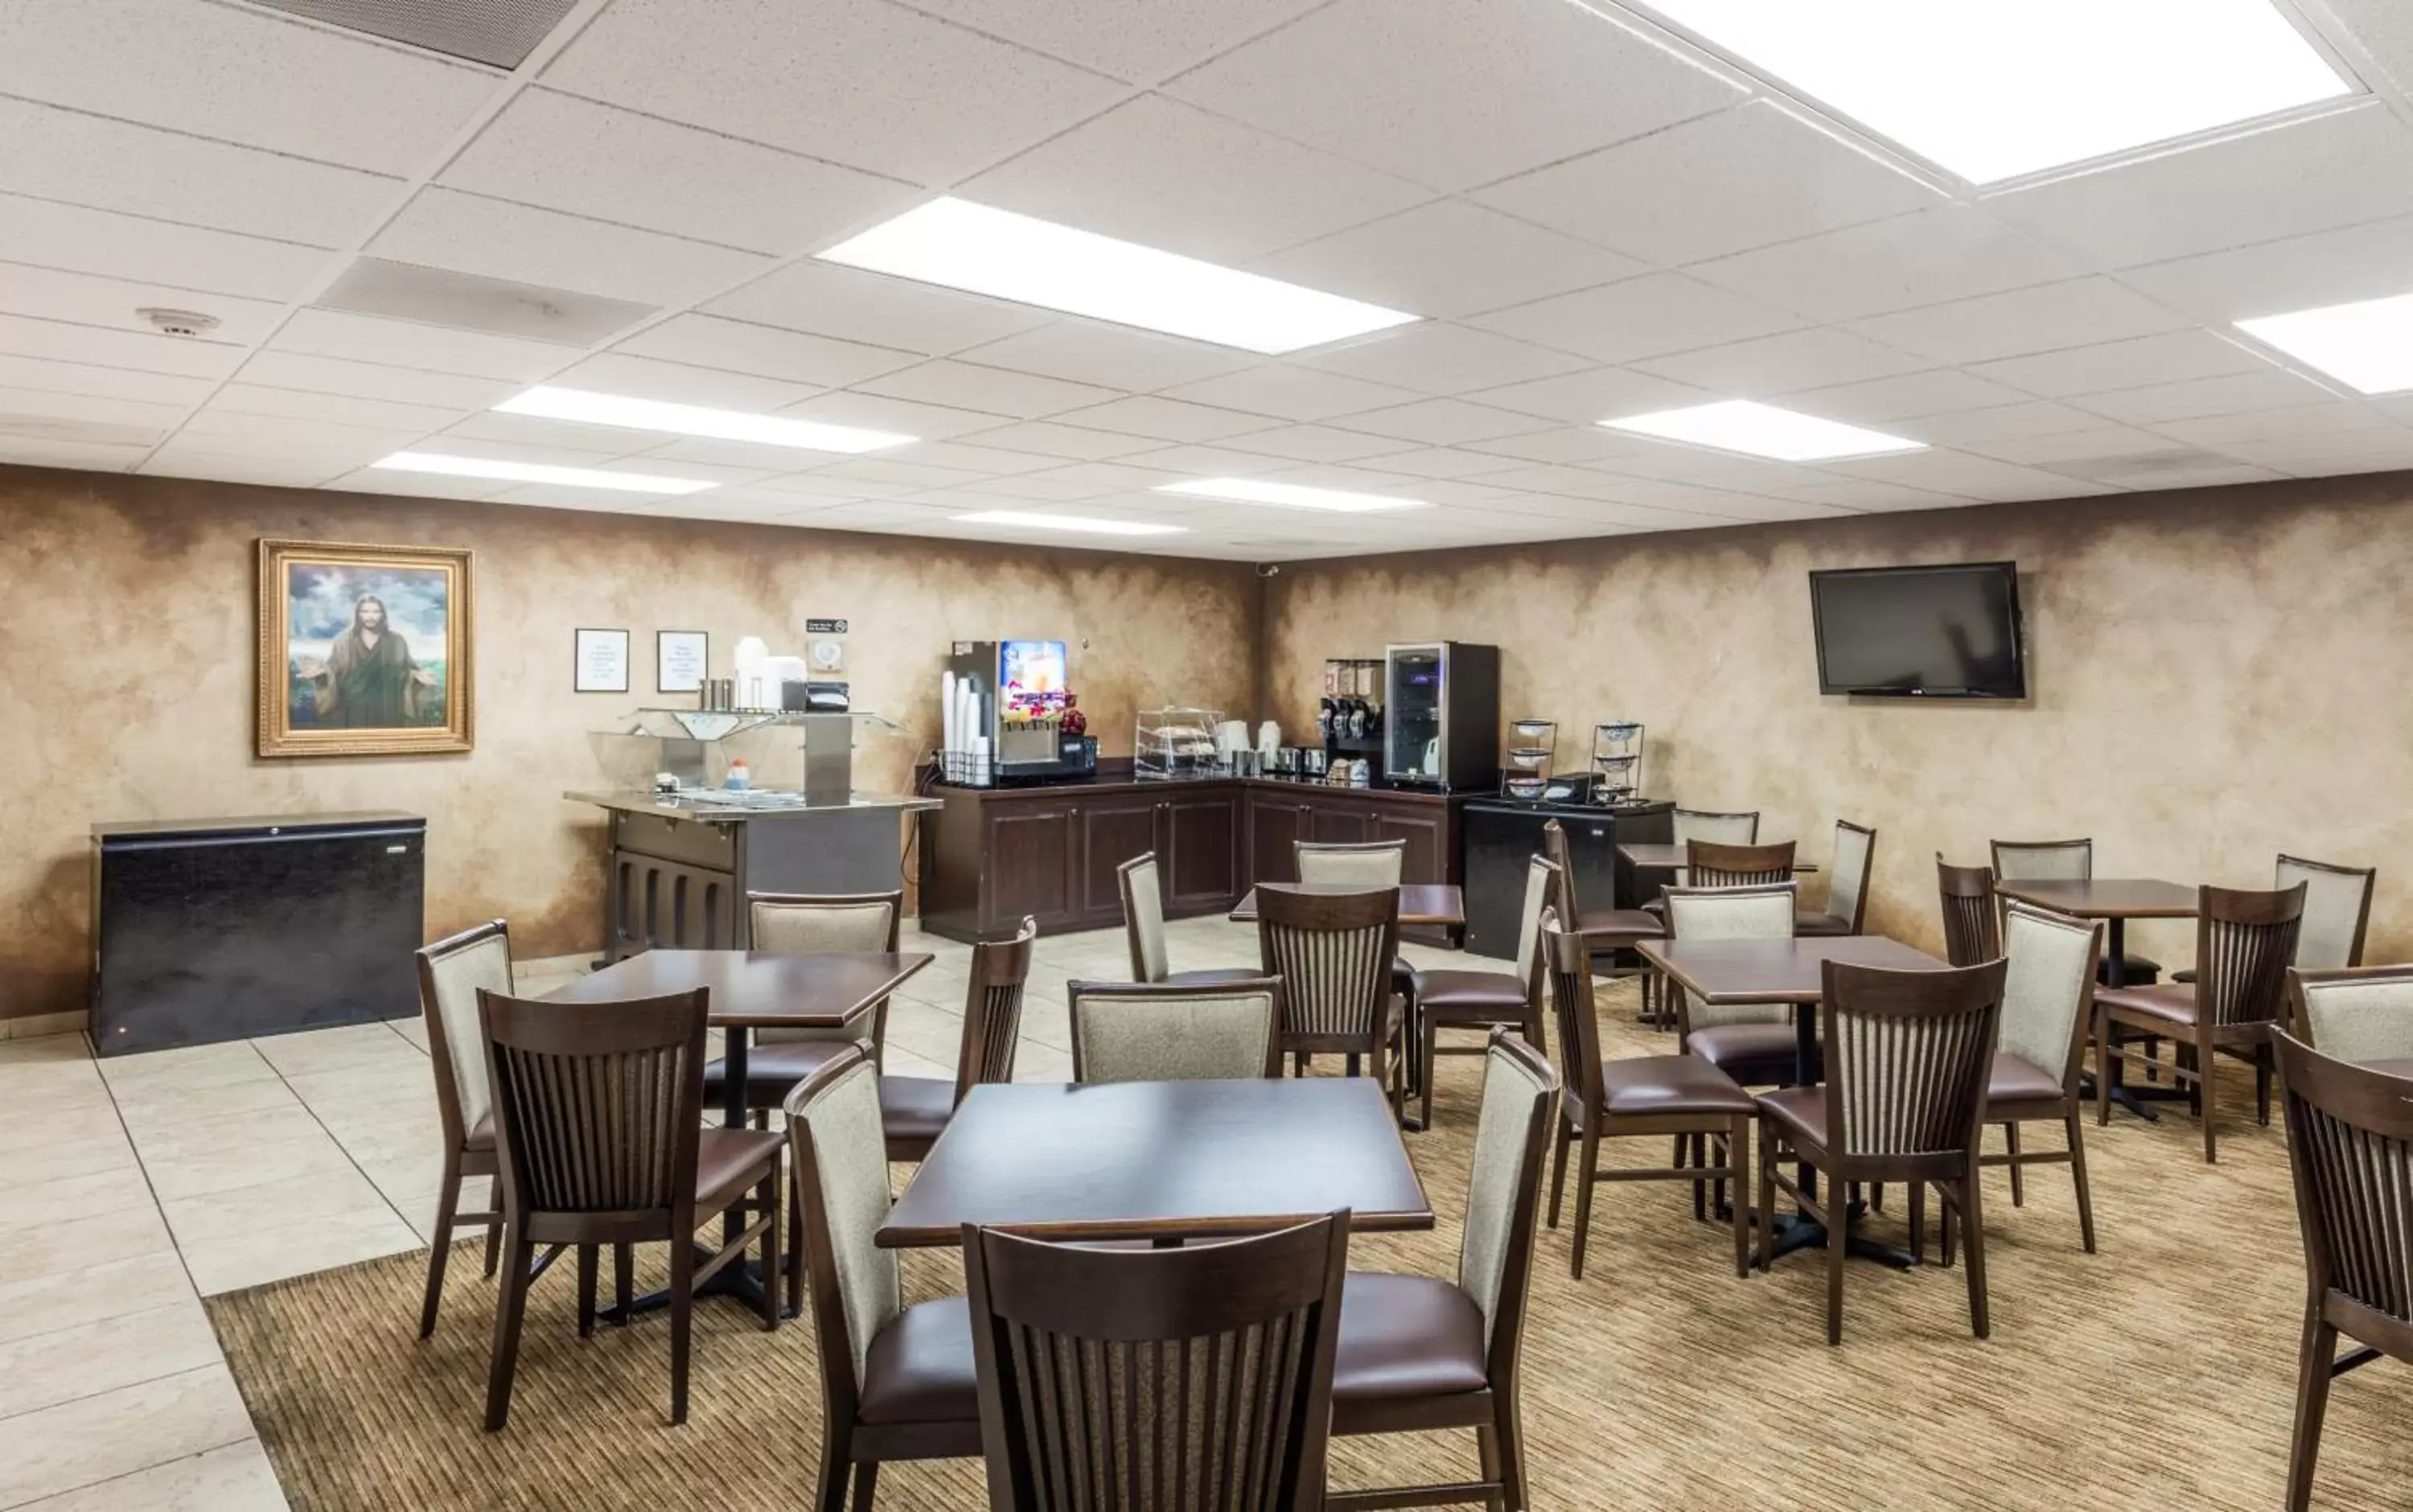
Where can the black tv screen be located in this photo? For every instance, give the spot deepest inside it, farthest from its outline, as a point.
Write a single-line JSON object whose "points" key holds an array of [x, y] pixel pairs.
{"points": [[1920, 631]]}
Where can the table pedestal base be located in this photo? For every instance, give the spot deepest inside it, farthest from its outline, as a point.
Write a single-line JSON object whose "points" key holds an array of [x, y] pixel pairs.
{"points": [[740, 1278]]}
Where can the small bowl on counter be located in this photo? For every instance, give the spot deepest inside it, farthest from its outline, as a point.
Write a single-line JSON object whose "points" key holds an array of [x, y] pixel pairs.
{"points": [[1526, 789]]}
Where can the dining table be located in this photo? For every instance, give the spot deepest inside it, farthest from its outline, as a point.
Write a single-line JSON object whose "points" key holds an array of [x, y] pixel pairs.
{"points": [[1441, 904], [746, 990], [2114, 900], [1791, 971], [1162, 1162]]}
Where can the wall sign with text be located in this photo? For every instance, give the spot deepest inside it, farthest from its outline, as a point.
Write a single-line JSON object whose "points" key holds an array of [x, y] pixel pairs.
{"points": [[602, 661]]}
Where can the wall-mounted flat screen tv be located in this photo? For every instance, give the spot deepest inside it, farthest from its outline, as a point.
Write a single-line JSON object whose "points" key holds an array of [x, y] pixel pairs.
{"points": [[1920, 631]]}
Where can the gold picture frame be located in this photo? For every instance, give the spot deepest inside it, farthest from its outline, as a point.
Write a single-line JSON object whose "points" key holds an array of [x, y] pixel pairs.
{"points": [[339, 677]]}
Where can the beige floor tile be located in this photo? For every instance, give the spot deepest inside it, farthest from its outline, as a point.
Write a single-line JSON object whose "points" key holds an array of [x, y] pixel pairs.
{"points": [[266, 1255], [109, 1289], [1042, 1063], [368, 1144], [77, 1125], [62, 1199], [199, 1065], [413, 1030], [56, 1163], [27, 1253], [246, 1165], [235, 1478], [394, 1081], [41, 1050], [277, 1205], [166, 1104], [331, 1049], [906, 1063], [157, 1138], [418, 1207], [97, 1438], [933, 1036], [88, 1358], [58, 1087]]}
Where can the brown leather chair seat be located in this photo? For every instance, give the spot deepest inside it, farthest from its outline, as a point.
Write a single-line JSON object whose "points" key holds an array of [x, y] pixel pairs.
{"points": [[915, 1107], [1753, 1054], [772, 1069], [1406, 1336], [1642, 1086], [1807, 923], [1477, 995], [728, 1161], [2015, 1079], [920, 1368], [2172, 1002], [1802, 1111], [1648, 922]]}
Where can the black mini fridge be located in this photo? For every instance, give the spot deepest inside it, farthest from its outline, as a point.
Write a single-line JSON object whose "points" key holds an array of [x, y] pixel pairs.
{"points": [[228, 928], [1499, 835]]}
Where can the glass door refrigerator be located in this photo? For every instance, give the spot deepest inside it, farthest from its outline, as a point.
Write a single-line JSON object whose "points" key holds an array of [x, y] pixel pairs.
{"points": [[1442, 708]]}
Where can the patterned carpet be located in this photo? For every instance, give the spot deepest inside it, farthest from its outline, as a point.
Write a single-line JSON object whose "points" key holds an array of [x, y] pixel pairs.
{"points": [[2159, 1373]]}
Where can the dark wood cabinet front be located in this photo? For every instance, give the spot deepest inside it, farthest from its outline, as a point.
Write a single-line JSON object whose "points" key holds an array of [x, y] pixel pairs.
{"points": [[1201, 851], [1333, 825], [1277, 822], [1113, 829], [1030, 851]]}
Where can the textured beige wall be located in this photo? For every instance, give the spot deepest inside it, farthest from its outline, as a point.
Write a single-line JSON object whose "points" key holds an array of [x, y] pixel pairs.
{"points": [[126, 674], [2217, 677]]}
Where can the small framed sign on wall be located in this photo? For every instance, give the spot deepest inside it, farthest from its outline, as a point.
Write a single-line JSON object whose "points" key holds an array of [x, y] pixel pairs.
{"points": [[680, 661], [601, 661]]}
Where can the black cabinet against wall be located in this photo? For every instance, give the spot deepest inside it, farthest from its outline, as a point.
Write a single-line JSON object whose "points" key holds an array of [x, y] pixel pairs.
{"points": [[1502, 837], [228, 929]]}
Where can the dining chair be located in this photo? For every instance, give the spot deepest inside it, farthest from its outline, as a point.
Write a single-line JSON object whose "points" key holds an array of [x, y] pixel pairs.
{"points": [[915, 1110], [1143, 898], [450, 972], [2048, 1006], [2064, 861], [898, 1382], [1609, 930], [2337, 913], [1174, 1030], [1710, 863], [1187, 1380], [598, 1124], [1753, 1042], [1333, 953], [2360, 1014], [1690, 825], [1679, 1095], [1848, 883], [2350, 1141], [1973, 920], [1462, 1000], [1906, 1061], [1365, 864], [1418, 1353], [808, 923], [2243, 942]]}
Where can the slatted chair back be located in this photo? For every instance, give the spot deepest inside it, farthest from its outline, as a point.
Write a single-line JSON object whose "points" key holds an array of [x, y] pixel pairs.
{"points": [[2358, 1013], [1708, 864], [451, 973], [1333, 951], [1972, 924], [812, 923], [2044, 860], [1908, 1055], [596, 1111], [1759, 912], [1690, 825], [2048, 988], [1190, 1379], [993, 1010], [2350, 1140], [1351, 864], [2243, 943], [1847, 879], [1143, 897], [1174, 1032], [2337, 910]]}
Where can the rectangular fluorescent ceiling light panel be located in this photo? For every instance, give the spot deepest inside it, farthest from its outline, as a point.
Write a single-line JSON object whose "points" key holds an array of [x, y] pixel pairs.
{"points": [[1996, 89], [1763, 431], [1088, 524], [1289, 496], [535, 472], [694, 419], [2367, 345], [996, 252]]}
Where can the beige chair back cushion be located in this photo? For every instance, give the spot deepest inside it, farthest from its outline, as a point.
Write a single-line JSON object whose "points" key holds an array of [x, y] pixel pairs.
{"points": [[2055, 861], [810, 929], [1368, 867], [1851, 865], [2045, 980], [458, 976], [2362, 1019], [1501, 1133], [1146, 922], [2333, 905], [1529, 923], [1200, 1035], [850, 1155], [1753, 913], [1720, 829]]}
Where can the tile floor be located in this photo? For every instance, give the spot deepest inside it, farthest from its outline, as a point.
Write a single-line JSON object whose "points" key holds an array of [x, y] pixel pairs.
{"points": [[131, 1188]]}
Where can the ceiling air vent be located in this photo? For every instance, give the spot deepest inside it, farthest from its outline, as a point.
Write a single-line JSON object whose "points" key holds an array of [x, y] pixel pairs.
{"points": [[83, 432], [499, 32], [2143, 467], [467, 302]]}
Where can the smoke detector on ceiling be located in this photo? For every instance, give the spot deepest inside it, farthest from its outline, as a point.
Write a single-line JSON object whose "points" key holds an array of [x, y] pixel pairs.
{"points": [[177, 322]]}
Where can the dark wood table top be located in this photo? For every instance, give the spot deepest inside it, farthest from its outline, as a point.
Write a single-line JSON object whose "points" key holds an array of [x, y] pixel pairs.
{"points": [[1660, 857], [1162, 1160], [2106, 898], [1774, 970], [1441, 903], [756, 989]]}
